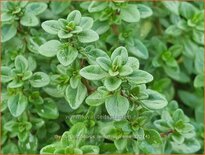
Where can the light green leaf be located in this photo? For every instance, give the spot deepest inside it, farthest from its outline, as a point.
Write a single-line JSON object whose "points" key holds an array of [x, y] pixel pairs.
{"points": [[139, 77], [179, 115], [188, 98], [29, 20], [199, 61], [176, 74], [88, 36], [112, 83], [74, 81], [92, 72], [100, 27], [117, 63], [21, 63], [168, 58], [117, 106], [145, 29], [64, 35], [198, 37], [189, 146], [139, 134], [187, 10], [48, 109], [109, 131], [27, 75], [190, 48], [104, 63], [32, 141], [121, 52], [130, 13], [77, 30], [32, 63], [63, 23], [10, 148], [162, 125], [113, 73], [56, 92], [133, 63], [86, 23], [183, 127], [172, 6], [153, 137], [199, 81], [199, 113], [23, 3], [155, 100], [48, 149], [22, 136], [36, 8], [15, 84], [135, 146], [50, 48], [93, 54], [51, 26], [5, 74], [120, 144], [178, 138], [17, 104], [75, 135], [144, 10], [125, 70], [97, 6], [97, 98], [167, 118], [59, 8], [75, 97], [39, 79], [75, 16], [71, 150], [7, 32], [138, 49], [67, 55], [173, 30], [90, 149], [5, 17]]}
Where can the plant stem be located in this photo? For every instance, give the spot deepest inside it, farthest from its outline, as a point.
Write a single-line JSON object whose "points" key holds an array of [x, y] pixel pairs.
{"points": [[166, 133]]}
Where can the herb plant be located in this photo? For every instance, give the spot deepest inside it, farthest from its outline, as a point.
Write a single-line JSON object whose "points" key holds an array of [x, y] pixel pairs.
{"points": [[106, 77]]}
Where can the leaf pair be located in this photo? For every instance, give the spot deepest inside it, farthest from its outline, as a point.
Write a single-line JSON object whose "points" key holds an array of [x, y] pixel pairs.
{"points": [[28, 19], [112, 70], [65, 54], [73, 25]]}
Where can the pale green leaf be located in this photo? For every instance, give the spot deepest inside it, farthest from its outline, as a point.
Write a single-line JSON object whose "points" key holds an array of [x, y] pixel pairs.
{"points": [[92, 72], [117, 106], [88, 36], [67, 55], [39, 79], [17, 104], [112, 83], [50, 48], [51, 26], [7, 32], [130, 13], [75, 97], [155, 100], [29, 20]]}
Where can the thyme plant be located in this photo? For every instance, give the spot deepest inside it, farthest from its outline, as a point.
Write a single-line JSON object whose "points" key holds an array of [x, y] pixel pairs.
{"points": [[106, 77]]}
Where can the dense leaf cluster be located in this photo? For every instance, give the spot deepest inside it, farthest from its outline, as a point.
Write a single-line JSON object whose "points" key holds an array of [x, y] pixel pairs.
{"points": [[102, 77]]}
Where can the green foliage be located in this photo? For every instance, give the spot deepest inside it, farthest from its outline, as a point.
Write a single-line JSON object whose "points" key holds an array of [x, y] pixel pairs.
{"points": [[112, 77]]}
